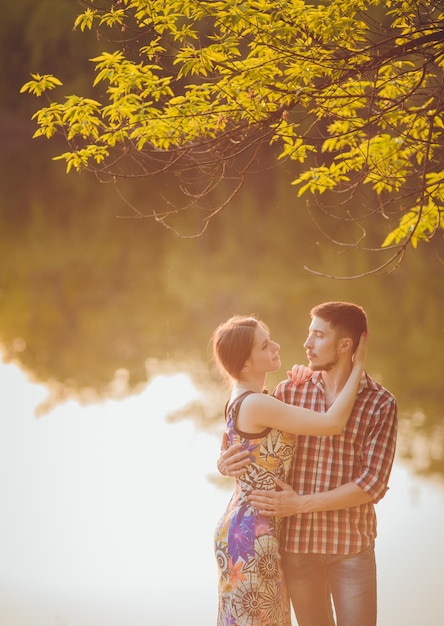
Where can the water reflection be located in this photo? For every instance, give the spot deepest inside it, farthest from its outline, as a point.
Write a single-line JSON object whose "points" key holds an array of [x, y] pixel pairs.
{"points": [[85, 294], [109, 511], [106, 508]]}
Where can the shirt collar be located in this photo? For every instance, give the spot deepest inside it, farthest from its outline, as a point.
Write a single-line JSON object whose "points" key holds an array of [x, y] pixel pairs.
{"points": [[365, 382]]}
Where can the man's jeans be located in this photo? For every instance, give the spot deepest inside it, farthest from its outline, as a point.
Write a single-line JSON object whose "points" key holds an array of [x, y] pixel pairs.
{"points": [[350, 580]]}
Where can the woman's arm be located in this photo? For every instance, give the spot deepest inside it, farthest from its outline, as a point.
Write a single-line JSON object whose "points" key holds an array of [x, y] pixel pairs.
{"points": [[260, 411]]}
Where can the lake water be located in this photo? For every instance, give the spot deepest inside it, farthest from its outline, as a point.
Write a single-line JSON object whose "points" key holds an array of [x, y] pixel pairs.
{"points": [[108, 513]]}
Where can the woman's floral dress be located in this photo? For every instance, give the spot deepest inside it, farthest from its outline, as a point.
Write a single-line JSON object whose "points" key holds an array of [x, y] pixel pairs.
{"points": [[251, 585]]}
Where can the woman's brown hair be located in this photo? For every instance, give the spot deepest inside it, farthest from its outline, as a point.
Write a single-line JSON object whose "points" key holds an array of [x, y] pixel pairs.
{"points": [[232, 343]]}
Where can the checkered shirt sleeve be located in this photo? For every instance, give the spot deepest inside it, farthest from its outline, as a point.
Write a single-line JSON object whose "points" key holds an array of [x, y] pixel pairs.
{"points": [[362, 454]]}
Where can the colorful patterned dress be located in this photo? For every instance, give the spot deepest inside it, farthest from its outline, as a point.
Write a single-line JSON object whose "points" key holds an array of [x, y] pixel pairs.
{"points": [[251, 585]]}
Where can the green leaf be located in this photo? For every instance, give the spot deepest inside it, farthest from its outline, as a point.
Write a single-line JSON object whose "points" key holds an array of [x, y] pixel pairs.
{"points": [[40, 84]]}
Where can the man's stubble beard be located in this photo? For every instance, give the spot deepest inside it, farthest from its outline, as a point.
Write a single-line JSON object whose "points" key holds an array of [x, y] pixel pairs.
{"points": [[325, 367]]}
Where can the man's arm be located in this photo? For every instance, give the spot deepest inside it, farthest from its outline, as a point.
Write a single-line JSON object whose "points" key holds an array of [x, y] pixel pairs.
{"points": [[369, 486], [287, 502], [233, 459]]}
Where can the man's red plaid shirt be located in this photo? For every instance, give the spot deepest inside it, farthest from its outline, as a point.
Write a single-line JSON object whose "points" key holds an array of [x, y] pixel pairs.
{"points": [[362, 454]]}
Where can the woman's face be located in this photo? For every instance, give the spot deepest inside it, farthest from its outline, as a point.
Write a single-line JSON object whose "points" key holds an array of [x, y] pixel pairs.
{"points": [[264, 355]]}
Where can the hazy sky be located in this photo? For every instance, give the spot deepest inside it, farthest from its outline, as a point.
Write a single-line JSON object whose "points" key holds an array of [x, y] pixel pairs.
{"points": [[108, 517]]}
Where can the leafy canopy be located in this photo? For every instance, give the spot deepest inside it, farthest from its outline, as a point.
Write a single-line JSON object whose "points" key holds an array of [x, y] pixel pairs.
{"points": [[349, 90]]}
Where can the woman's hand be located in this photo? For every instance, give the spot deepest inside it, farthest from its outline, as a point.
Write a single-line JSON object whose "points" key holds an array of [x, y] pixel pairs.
{"points": [[361, 351], [299, 374]]}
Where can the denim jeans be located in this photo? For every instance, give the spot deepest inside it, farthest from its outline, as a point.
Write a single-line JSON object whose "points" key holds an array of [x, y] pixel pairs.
{"points": [[314, 580]]}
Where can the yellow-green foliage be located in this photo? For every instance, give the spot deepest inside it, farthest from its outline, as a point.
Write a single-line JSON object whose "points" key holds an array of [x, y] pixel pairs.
{"points": [[358, 83]]}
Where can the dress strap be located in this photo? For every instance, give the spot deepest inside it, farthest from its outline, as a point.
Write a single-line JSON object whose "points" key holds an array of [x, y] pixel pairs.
{"points": [[235, 405]]}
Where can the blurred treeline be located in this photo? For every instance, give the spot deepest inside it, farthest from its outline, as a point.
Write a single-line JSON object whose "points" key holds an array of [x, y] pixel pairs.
{"points": [[88, 288]]}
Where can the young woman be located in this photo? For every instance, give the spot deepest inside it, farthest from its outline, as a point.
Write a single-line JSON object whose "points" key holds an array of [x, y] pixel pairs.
{"points": [[251, 585]]}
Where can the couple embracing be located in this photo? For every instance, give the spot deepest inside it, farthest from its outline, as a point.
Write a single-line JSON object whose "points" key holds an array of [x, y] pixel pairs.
{"points": [[310, 461]]}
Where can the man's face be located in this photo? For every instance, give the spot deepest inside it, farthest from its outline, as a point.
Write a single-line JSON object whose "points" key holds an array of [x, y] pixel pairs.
{"points": [[321, 345]]}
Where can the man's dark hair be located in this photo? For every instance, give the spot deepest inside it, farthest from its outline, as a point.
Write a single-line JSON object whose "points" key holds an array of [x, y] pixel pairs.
{"points": [[348, 320]]}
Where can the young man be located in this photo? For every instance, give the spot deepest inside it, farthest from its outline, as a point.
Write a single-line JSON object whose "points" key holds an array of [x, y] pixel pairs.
{"points": [[329, 526]]}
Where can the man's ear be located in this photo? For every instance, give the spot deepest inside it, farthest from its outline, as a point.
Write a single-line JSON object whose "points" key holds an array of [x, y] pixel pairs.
{"points": [[345, 344]]}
